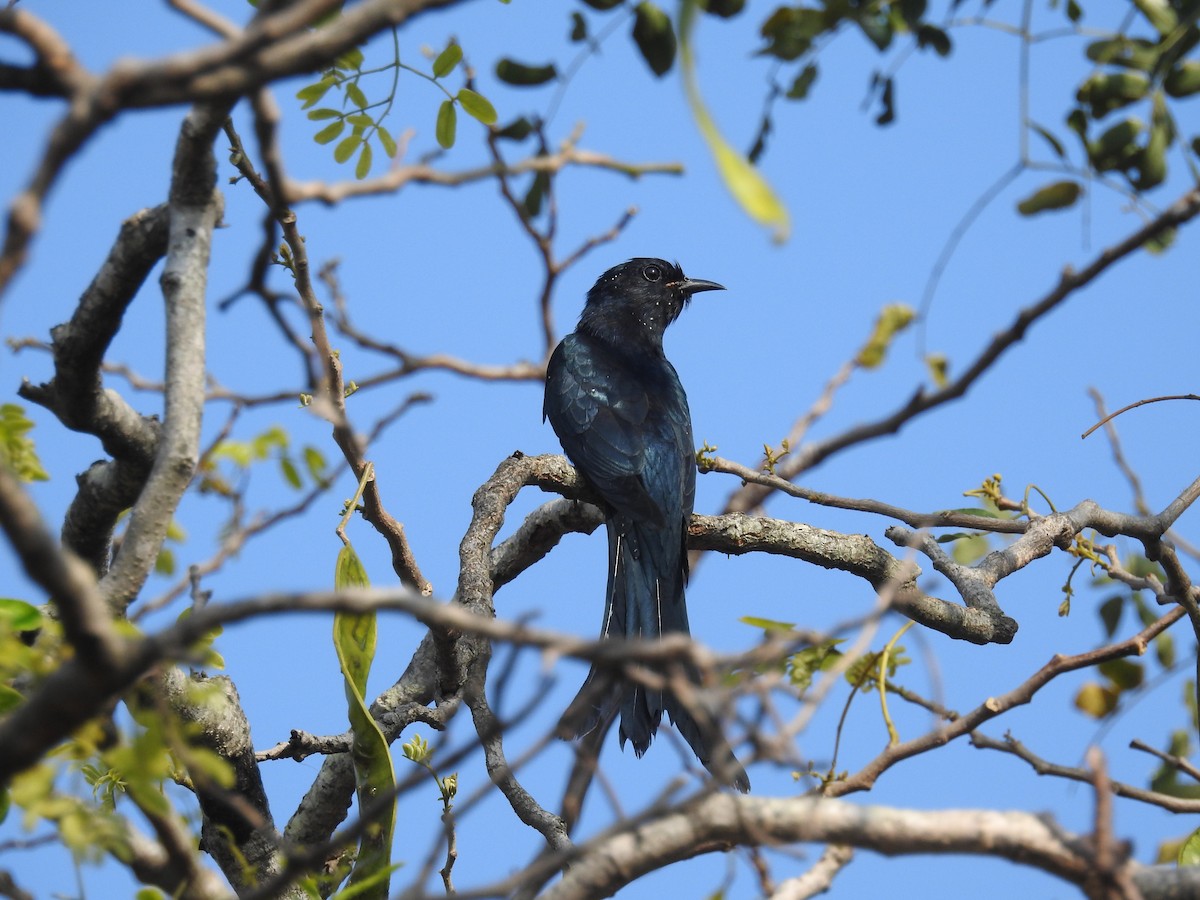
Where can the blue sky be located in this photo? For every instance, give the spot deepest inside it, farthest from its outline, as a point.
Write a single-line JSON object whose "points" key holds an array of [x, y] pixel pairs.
{"points": [[441, 270]]}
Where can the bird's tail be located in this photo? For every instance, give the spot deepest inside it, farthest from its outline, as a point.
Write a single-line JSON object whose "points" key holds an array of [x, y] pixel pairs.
{"points": [[645, 599]]}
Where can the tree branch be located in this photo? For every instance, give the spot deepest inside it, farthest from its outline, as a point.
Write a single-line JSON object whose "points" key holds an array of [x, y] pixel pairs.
{"points": [[751, 496], [717, 821], [195, 208]]}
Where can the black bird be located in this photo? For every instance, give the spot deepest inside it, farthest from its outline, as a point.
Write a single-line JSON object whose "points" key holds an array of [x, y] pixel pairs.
{"points": [[622, 417]]}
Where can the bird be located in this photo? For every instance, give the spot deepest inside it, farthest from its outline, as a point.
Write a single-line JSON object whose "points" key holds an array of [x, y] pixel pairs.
{"points": [[620, 412]]}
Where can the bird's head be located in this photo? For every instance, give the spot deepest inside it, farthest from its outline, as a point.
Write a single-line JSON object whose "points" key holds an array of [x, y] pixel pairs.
{"points": [[633, 303]]}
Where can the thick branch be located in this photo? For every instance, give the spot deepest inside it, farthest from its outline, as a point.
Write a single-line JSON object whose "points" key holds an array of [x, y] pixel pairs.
{"points": [[859, 555], [194, 211], [77, 396], [275, 45], [751, 496], [717, 821], [238, 830]]}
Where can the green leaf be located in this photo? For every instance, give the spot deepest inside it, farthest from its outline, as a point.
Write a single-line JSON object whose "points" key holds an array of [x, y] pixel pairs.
{"points": [[1125, 52], [969, 549], [1117, 147], [1152, 161], [356, 95], [290, 473], [1059, 195], [205, 647], [386, 141], [1162, 242], [477, 106], [878, 30], [351, 60], [1164, 650], [1110, 613], [5, 803], [654, 36], [354, 638], [17, 451], [1055, 143], [447, 60], [164, 562], [1189, 851], [10, 698], [516, 130], [887, 100], [932, 36], [1184, 79], [1159, 14], [314, 461], [521, 75], [725, 9], [1123, 673], [1107, 91], [531, 204], [324, 112], [790, 30], [274, 438], [19, 615], [330, 132], [344, 150], [579, 30], [363, 168], [802, 84], [447, 123], [312, 93], [603, 5], [749, 188], [803, 665]]}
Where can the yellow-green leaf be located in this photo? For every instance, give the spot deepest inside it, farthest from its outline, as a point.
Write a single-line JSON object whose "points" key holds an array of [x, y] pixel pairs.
{"points": [[312, 93], [354, 639], [447, 60], [364, 163], [1184, 79], [16, 447], [1096, 700], [766, 624], [893, 319], [290, 473], [477, 106], [19, 615], [746, 183], [345, 149], [9, 699], [356, 95], [1189, 851], [447, 124], [939, 368], [386, 141]]}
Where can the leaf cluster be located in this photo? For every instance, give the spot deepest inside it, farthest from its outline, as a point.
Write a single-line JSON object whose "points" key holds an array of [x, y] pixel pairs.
{"points": [[1124, 117], [355, 121]]}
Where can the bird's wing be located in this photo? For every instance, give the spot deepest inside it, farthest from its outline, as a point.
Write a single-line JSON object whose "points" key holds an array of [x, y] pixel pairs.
{"points": [[600, 413]]}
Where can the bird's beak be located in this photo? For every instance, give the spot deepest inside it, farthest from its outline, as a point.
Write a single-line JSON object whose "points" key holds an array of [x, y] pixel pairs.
{"points": [[691, 286]]}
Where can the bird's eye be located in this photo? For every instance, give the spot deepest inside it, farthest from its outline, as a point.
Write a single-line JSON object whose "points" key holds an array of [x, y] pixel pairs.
{"points": [[652, 273]]}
